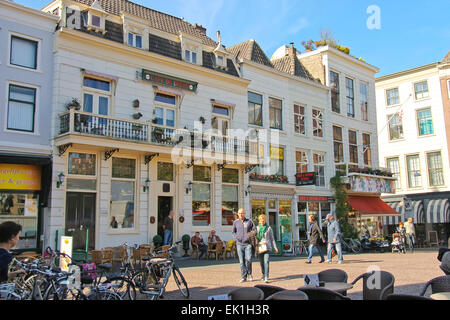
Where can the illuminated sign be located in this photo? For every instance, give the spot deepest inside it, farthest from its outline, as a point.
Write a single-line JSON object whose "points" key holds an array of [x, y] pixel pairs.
{"points": [[305, 179], [20, 177]]}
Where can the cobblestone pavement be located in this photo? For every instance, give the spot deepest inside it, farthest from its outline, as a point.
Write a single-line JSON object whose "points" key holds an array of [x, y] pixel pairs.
{"points": [[211, 277]]}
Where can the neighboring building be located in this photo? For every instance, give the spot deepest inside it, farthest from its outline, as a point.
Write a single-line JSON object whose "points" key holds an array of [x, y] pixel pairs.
{"points": [[285, 100], [26, 72], [413, 127], [351, 125]]}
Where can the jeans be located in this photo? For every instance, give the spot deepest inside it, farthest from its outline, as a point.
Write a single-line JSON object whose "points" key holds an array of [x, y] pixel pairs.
{"points": [[338, 249], [244, 252], [311, 251], [202, 248], [264, 262], [410, 238], [167, 237]]}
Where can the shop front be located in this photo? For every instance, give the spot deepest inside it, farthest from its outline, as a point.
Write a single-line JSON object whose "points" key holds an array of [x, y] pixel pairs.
{"points": [[24, 183], [319, 206]]}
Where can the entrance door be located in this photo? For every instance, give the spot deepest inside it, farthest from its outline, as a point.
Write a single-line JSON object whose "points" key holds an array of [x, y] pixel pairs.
{"points": [[164, 207], [80, 216], [273, 224]]}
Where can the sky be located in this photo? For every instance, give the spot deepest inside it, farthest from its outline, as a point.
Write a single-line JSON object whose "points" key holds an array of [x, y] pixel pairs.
{"points": [[398, 35]]}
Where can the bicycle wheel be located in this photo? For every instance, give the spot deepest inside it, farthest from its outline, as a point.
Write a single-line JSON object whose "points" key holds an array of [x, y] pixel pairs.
{"points": [[123, 287], [181, 282], [103, 294], [356, 248]]}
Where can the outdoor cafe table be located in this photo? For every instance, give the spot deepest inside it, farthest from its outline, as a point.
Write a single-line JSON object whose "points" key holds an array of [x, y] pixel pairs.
{"points": [[441, 296]]}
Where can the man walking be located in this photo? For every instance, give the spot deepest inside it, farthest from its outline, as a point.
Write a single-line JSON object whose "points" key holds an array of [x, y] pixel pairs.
{"points": [[315, 234], [334, 238], [241, 227], [410, 233], [168, 229]]}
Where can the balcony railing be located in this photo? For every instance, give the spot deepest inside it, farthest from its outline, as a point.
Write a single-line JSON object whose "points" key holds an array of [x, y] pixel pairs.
{"points": [[77, 122]]}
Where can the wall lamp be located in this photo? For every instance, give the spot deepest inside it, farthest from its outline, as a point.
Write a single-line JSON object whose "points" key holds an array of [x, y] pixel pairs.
{"points": [[60, 181], [249, 189], [147, 185], [189, 187]]}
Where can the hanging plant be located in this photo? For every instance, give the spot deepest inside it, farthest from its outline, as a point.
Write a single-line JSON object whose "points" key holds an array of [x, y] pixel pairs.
{"points": [[74, 104]]}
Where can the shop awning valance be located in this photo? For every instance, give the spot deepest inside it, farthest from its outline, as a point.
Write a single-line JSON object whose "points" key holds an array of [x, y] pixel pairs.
{"points": [[438, 211], [419, 212], [371, 206], [394, 220]]}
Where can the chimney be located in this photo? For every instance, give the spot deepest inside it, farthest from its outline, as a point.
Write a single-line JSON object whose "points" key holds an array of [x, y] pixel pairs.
{"points": [[292, 53], [200, 28]]}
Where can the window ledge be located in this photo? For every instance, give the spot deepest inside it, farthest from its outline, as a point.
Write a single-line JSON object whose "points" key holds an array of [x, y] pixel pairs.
{"points": [[423, 99], [36, 134], [426, 136], [37, 70]]}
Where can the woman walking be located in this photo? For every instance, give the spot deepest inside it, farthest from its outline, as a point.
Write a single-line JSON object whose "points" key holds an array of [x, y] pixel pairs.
{"points": [[315, 234], [266, 243]]}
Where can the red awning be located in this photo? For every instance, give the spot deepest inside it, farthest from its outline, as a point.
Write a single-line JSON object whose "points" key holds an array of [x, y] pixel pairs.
{"points": [[371, 206]]}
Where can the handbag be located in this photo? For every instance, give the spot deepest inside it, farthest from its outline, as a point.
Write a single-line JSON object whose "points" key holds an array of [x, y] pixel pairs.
{"points": [[262, 246]]}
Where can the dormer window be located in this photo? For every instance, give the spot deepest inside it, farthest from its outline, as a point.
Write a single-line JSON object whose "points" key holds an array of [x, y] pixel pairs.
{"points": [[96, 18], [220, 53], [134, 40], [190, 56], [96, 21]]}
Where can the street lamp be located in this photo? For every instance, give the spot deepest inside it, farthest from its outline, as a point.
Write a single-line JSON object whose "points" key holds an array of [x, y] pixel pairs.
{"points": [[60, 180], [249, 189], [147, 185], [189, 187]]}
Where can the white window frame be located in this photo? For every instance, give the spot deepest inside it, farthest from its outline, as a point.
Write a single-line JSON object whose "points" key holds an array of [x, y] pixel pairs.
{"points": [[165, 107], [337, 91], [189, 58], [428, 169], [238, 193], [82, 176], [301, 117], [350, 144], [222, 117], [321, 164], [366, 103], [303, 160], [398, 175], [415, 93], [321, 120], [352, 98], [386, 97], [389, 118], [97, 93], [134, 36], [211, 202], [38, 51], [407, 171]]}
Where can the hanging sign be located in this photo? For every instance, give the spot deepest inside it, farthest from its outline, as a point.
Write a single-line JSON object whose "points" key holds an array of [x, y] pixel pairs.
{"points": [[169, 81], [305, 179]]}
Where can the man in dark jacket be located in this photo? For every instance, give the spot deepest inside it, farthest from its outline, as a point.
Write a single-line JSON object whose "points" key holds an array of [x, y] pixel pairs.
{"points": [[315, 234], [241, 228]]}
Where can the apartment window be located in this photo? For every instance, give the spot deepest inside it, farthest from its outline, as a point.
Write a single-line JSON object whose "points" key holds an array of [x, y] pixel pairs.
{"points": [[134, 40], [201, 196], [395, 127], [301, 161], [255, 103], [165, 116], [350, 97], [191, 56], [393, 165], [23, 52], [421, 90], [276, 161], [435, 170], [97, 96], [364, 100], [123, 190], [165, 171], [338, 145], [165, 98], [334, 84], [353, 146], [21, 108], [299, 119], [317, 123], [96, 21], [367, 150], [230, 195], [221, 119], [275, 113], [425, 122], [392, 97], [413, 167], [319, 169]]}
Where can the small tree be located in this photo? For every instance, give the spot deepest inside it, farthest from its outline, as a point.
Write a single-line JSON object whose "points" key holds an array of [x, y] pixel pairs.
{"points": [[342, 207]]}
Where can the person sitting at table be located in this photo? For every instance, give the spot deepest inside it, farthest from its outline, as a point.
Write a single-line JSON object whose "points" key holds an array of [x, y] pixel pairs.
{"points": [[213, 238], [197, 241]]}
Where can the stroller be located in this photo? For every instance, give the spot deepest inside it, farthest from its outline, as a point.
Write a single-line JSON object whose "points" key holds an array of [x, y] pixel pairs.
{"points": [[398, 243]]}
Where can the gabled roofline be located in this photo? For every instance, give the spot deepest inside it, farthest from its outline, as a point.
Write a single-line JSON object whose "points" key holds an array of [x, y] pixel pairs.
{"points": [[407, 72], [21, 7]]}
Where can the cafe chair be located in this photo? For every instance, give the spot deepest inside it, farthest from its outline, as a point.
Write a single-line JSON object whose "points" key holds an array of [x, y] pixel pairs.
{"points": [[439, 284], [246, 293], [289, 295], [333, 275], [230, 249], [163, 254], [318, 293], [386, 287], [97, 257], [405, 297], [269, 290], [108, 254], [218, 250]]}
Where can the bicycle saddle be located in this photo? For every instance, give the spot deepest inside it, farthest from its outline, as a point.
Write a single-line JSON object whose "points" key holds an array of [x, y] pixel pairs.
{"points": [[105, 266]]}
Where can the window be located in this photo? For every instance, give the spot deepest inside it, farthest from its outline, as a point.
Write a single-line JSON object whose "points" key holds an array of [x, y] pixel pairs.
{"points": [[96, 21], [275, 113], [435, 170], [317, 123], [165, 98], [123, 189], [367, 149], [301, 160], [255, 109], [393, 165], [221, 119], [97, 96], [134, 40], [425, 122], [23, 52], [338, 145], [353, 146], [395, 127], [190, 56], [165, 171], [350, 97], [392, 97], [201, 197], [334, 84], [230, 195], [364, 101], [421, 90], [81, 164], [276, 161], [319, 169], [165, 117], [299, 119], [413, 167], [21, 108]]}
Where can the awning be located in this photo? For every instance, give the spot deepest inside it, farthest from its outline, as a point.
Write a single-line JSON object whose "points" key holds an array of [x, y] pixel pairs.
{"points": [[371, 206], [394, 220], [419, 212], [438, 211]]}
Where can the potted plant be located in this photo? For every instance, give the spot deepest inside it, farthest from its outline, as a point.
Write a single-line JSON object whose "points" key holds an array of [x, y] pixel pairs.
{"points": [[74, 104], [157, 241]]}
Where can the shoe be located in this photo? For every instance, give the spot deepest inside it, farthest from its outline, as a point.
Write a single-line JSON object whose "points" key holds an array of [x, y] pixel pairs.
{"points": [[249, 278], [266, 280], [308, 262], [321, 261], [340, 262], [328, 261], [242, 280]]}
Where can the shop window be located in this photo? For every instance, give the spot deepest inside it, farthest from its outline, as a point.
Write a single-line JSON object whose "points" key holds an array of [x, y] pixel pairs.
{"points": [[165, 171], [82, 164], [258, 208], [230, 195], [123, 190], [201, 196]]}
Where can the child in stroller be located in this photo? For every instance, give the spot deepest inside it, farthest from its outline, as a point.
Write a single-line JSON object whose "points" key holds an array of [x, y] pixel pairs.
{"points": [[399, 239]]}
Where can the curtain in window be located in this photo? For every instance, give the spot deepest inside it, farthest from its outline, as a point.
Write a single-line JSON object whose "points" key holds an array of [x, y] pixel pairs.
{"points": [[425, 122], [23, 52], [21, 108], [435, 169], [414, 176]]}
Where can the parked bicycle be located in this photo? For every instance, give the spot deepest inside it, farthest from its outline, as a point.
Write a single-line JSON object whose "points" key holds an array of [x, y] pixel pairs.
{"points": [[152, 281], [351, 245]]}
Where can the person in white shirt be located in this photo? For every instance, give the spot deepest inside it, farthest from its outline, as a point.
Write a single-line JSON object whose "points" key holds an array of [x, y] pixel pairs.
{"points": [[410, 233]]}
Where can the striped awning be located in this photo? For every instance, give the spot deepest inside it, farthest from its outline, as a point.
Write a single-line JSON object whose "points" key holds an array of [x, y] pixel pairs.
{"points": [[438, 211], [419, 212], [397, 206]]}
